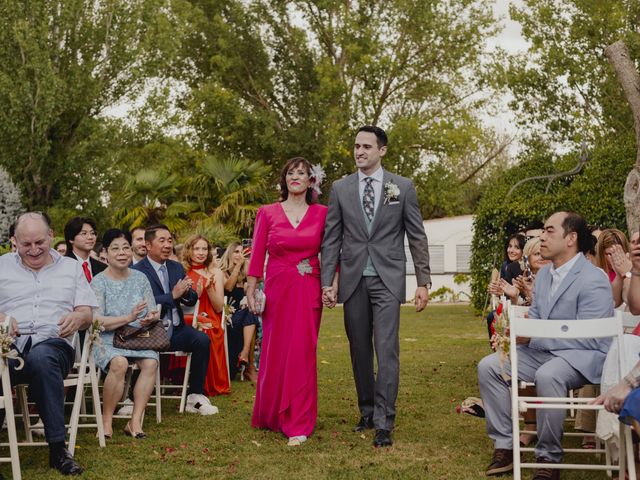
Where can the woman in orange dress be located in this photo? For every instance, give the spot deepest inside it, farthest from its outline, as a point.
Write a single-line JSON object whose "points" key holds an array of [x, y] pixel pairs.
{"points": [[200, 263]]}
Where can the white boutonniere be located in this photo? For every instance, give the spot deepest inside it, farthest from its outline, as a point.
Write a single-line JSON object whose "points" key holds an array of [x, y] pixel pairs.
{"points": [[391, 192]]}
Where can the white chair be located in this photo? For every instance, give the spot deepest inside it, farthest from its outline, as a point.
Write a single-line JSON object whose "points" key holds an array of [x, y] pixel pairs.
{"points": [[6, 403], [82, 373], [160, 387], [629, 321], [226, 340], [559, 329]]}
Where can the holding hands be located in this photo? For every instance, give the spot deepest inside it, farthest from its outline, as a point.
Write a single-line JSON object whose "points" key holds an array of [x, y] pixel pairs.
{"points": [[330, 296]]}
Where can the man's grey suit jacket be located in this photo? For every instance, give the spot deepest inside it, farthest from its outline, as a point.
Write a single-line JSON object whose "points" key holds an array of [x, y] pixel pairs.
{"points": [[347, 240], [584, 293]]}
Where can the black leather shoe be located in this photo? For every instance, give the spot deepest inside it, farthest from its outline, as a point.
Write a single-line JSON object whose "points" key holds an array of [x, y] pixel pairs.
{"points": [[65, 464], [501, 463], [365, 423], [383, 439]]}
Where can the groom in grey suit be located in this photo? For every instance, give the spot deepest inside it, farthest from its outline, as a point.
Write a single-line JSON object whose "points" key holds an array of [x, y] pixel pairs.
{"points": [[569, 288], [369, 213]]}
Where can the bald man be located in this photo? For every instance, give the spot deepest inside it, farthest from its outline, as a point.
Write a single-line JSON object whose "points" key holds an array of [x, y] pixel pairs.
{"points": [[48, 299]]}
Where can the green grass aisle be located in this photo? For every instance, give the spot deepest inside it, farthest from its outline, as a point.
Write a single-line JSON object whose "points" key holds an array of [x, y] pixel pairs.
{"points": [[439, 352]]}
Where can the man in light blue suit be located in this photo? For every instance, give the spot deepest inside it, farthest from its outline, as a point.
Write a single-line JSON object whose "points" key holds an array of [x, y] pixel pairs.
{"points": [[569, 288]]}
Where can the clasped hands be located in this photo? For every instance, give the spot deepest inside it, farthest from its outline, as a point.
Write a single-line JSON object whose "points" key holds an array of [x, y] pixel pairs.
{"points": [[151, 316]]}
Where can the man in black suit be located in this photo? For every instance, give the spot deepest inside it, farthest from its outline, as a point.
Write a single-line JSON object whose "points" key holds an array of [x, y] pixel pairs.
{"points": [[80, 235], [171, 289]]}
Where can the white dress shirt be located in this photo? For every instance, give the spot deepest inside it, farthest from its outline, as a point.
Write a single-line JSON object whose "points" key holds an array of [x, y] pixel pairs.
{"points": [[378, 177], [559, 274], [38, 300], [88, 262]]}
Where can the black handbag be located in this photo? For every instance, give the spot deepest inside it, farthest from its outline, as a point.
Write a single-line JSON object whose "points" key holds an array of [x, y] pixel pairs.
{"points": [[149, 337]]}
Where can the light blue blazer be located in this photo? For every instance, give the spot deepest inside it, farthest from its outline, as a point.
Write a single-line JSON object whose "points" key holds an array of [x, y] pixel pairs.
{"points": [[584, 293]]}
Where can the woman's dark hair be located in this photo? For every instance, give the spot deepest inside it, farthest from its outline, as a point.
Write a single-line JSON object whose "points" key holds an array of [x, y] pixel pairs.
{"points": [[521, 242], [113, 234], [294, 163]]}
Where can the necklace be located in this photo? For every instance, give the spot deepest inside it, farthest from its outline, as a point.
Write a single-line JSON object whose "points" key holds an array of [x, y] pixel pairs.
{"points": [[297, 213]]}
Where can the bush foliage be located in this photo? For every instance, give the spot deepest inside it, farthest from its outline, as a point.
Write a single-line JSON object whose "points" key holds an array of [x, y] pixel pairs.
{"points": [[596, 193]]}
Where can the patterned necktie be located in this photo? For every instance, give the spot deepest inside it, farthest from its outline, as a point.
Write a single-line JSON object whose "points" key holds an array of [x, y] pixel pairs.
{"points": [[87, 272], [368, 198], [165, 285]]}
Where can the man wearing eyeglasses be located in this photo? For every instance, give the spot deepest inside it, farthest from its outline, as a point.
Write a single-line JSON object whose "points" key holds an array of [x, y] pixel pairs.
{"points": [[80, 235]]}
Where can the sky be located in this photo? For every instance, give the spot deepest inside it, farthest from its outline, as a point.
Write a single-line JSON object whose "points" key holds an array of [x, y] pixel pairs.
{"points": [[511, 40]]}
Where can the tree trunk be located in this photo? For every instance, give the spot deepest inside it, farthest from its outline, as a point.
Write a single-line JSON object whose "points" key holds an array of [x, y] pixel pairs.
{"points": [[629, 79]]}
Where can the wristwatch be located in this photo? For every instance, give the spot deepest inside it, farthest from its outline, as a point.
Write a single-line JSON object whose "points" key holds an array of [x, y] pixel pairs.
{"points": [[426, 285], [628, 274]]}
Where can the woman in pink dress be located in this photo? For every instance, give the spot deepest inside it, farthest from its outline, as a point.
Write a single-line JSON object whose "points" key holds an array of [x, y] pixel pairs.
{"points": [[290, 231]]}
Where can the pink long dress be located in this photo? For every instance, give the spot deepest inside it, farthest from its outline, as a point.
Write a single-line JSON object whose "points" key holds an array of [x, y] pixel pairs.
{"points": [[287, 389]]}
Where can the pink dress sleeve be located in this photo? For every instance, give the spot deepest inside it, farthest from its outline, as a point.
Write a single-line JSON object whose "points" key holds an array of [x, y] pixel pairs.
{"points": [[259, 245]]}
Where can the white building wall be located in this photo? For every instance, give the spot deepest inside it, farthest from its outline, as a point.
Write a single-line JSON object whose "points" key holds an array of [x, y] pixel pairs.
{"points": [[450, 252]]}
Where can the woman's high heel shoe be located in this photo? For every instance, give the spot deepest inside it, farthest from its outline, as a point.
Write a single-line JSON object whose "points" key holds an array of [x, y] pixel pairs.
{"points": [[136, 435], [242, 366]]}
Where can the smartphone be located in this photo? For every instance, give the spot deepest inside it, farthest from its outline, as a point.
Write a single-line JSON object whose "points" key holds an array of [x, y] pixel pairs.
{"points": [[246, 243]]}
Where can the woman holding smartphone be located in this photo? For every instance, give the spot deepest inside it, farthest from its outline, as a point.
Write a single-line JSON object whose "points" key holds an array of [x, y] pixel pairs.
{"points": [[234, 266], [124, 297]]}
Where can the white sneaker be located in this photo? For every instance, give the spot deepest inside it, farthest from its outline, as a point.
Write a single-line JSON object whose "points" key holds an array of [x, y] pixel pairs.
{"points": [[295, 441], [37, 428], [127, 408], [198, 403]]}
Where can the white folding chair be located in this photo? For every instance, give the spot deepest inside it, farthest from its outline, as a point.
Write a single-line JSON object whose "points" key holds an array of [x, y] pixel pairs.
{"points": [[562, 329], [82, 373], [226, 340], [629, 321], [160, 387], [6, 403]]}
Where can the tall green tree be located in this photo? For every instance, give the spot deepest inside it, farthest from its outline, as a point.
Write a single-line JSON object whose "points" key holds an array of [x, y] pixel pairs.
{"points": [[272, 79], [62, 65]]}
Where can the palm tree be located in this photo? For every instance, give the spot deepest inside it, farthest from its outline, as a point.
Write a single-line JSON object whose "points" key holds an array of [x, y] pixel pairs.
{"points": [[151, 196], [228, 192]]}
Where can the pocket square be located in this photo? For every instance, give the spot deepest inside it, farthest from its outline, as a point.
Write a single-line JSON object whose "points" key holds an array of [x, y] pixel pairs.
{"points": [[394, 203]]}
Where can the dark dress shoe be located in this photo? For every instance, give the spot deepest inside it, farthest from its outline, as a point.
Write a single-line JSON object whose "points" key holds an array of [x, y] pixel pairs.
{"points": [[501, 463], [383, 439], [546, 473], [365, 423], [65, 464]]}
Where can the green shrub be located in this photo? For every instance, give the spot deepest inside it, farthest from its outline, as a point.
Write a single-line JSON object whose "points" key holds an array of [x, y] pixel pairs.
{"points": [[596, 192]]}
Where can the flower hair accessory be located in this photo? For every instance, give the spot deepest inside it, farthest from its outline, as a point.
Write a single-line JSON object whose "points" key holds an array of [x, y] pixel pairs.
{"points": [[317, 174]]}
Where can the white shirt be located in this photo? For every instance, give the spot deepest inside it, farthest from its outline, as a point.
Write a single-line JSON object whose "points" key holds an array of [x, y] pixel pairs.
{"points": [[378, 177], [559, 274], [156, 266], [88, 261], [38, 300]]}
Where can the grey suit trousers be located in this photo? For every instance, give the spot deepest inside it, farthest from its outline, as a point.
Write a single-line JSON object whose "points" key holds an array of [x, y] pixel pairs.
{"points": [[553, 377], [372, 317]]}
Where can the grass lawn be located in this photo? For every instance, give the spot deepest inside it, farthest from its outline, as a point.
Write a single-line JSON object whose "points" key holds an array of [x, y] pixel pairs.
{"points": [[439, 352]]}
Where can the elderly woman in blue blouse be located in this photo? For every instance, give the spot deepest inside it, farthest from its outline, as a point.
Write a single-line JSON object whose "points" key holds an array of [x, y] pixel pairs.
{"points": [[124, 297]]}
